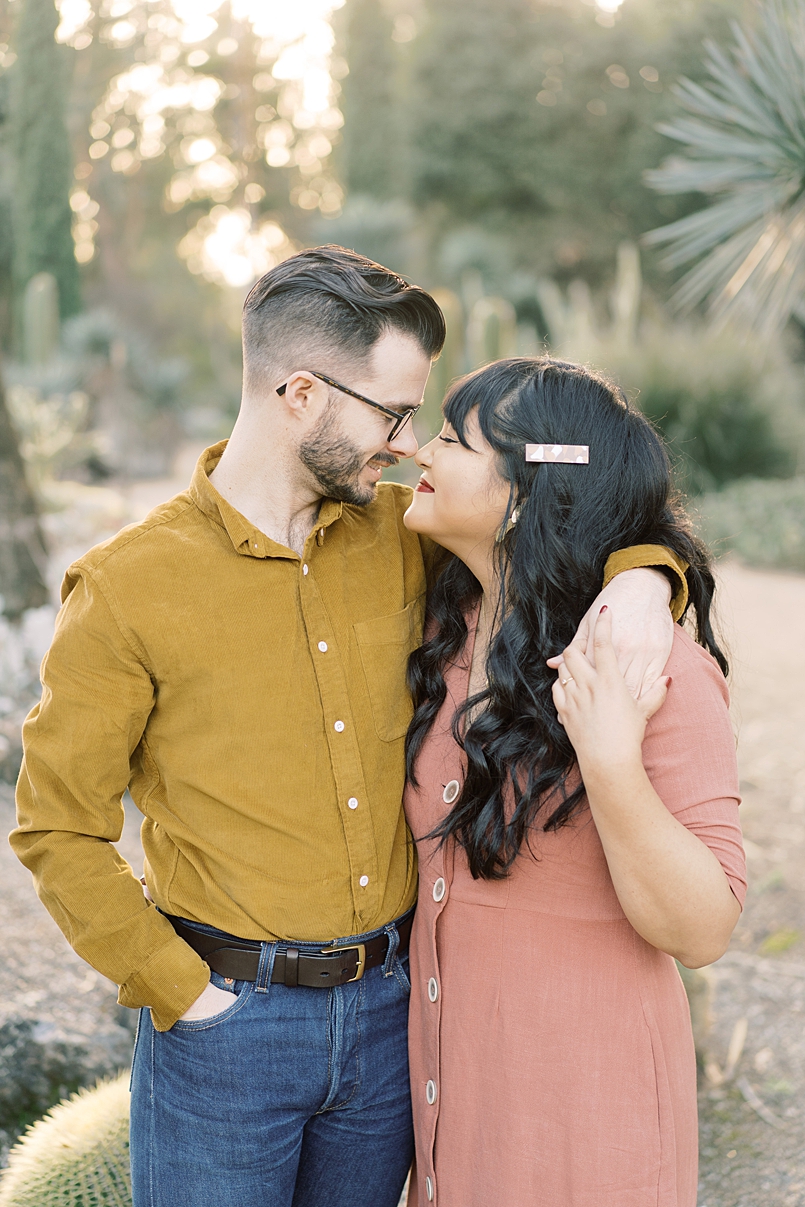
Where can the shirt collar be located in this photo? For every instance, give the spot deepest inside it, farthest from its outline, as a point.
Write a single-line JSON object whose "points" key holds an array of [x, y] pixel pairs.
{"points": [[247, 539]]}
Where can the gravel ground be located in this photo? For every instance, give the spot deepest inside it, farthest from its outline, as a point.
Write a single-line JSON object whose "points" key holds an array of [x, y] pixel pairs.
{"points": [[752, 1099], [60, 1025], [753, 1125]]}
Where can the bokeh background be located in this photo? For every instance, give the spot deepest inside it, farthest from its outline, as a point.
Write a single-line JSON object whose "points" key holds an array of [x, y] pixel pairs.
{"points": [[616, 181]]}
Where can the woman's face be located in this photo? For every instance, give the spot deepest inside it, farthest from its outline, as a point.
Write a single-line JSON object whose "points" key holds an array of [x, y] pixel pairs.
{"points": [[461, 499]]}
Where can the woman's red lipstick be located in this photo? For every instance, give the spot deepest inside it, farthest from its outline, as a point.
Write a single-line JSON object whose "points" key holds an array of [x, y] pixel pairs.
{"points": [[423, 486]]}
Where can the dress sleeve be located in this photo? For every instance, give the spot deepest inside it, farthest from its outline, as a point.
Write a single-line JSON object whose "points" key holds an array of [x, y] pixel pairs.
{"points": [[689, 753]]}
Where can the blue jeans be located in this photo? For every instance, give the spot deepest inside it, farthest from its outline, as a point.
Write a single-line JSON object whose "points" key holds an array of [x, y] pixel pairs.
{"points": [[289, 1098]]}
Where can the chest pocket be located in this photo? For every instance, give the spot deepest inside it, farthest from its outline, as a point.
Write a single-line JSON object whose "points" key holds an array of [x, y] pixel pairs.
{"points": [[384, 645]]}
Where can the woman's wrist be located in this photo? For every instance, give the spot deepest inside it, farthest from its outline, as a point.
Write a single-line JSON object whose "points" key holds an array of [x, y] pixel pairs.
{"points": [[617, 773]]}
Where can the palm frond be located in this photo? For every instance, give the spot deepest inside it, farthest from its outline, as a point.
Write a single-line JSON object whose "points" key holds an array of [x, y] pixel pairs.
{"points": [[745, 150]]}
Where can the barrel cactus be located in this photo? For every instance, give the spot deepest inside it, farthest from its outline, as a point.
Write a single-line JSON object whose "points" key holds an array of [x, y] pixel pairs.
{"points": [[78, 1154]]}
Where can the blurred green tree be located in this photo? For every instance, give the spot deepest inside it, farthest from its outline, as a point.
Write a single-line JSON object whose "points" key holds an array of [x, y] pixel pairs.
{"points": [[535, 120], [187, 141], [6, 238], [369, 155], [41, 213], [746, 152], [22, 548]]}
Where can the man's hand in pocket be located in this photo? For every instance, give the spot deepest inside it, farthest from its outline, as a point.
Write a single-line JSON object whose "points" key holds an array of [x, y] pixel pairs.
{"points": [[211, 1002]]}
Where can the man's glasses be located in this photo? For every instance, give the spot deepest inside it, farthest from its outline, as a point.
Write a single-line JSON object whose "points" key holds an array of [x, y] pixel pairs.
{"points": [[399, 418]]}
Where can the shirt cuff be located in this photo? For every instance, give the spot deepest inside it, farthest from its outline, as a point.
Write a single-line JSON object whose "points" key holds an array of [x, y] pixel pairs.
{"points": [[169, 983], [648, 557]]}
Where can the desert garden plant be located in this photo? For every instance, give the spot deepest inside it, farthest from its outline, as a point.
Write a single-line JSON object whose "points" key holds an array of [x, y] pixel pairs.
{"points": [[761, 522], [745, 142], [730, 402], [77, 1156]]}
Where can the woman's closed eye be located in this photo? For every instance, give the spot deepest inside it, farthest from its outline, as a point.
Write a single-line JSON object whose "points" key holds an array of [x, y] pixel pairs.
{"points": [[448, 439]]}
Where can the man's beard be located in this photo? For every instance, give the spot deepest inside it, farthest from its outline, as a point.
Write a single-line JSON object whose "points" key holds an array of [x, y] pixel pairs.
{"points": [[336, 463]]}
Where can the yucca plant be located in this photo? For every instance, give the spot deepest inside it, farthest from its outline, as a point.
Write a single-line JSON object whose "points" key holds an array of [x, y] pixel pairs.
{"points": [[745, 147], [77, 1156]]}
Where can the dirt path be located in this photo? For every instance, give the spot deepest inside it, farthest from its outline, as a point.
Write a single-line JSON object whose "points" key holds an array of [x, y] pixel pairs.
{"points": [[753, 1126]]}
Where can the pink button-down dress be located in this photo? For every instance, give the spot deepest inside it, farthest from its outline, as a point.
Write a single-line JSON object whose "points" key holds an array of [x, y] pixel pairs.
{"points": [[552, 1060]]}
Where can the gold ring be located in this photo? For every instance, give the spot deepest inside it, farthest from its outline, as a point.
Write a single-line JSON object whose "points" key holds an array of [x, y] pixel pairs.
{"points": [[569, 679]]}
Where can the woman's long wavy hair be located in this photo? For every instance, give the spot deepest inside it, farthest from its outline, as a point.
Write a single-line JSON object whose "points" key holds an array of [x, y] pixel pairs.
{"points": [[551, 563]]}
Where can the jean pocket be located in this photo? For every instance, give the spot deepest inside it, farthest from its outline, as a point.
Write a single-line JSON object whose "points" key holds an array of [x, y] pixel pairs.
{"points": [[401, 972], [240, 990]]}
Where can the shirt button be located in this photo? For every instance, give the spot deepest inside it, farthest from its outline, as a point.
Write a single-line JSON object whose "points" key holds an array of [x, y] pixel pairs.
{"points": [[321, 533], [451, 791], [323, 647], [353, 802], [430, 1092], [429, 1189], [364, 880], [433, 989], [304, 569], [339, 727], [438, 889]]}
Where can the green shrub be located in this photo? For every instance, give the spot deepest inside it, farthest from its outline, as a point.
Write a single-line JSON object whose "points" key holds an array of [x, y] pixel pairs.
{"points": [[77, 1156], [728, 407], [762, 522], [730, 404]]}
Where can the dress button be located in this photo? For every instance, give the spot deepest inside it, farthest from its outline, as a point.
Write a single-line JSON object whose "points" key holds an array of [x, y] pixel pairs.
{"points": [[339, 727], [304, 569], [323, 647], [430, 1092], [451, 791], [429, 1189], [433, 989], [353, 802], [364, 880], [438, 889]]}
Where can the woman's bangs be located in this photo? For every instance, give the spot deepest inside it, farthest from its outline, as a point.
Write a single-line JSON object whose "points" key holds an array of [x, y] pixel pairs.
{"points": [[483, 390], [461, 399]]}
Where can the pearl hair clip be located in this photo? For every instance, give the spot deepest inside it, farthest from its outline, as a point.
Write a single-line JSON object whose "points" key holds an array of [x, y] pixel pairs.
{"points": [[567, 454]]}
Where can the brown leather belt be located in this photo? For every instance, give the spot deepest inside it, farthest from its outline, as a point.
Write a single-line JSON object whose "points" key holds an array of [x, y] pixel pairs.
{"points": [[240, 958]]}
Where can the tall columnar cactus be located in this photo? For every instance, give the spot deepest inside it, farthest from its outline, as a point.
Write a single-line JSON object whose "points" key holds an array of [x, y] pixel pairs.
{"points": [[41, 318], [41, 216], [491, 331], [79, 1153], [451, 363]]}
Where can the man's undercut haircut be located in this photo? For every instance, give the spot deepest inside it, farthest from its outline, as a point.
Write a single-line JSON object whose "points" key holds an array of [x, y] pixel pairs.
{"points": [[324, 309]]}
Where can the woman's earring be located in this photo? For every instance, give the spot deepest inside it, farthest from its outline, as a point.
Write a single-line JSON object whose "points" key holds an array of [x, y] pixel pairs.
{"points": [[512, 521]]}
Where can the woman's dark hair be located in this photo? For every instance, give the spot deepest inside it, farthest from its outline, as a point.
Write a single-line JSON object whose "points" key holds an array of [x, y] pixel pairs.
{"points": [[332, 302], [551, 563]]}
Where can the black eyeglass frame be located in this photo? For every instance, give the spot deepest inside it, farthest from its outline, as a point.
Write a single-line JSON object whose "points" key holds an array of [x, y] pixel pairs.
{"points": [[398, 420]]}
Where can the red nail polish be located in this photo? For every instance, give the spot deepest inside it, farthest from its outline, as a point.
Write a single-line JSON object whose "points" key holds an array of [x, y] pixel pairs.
{"points": [[603, 610]]}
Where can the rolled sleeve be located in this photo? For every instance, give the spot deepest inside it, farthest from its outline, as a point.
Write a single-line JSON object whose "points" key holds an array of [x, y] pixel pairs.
{"points": [[649, 557]]}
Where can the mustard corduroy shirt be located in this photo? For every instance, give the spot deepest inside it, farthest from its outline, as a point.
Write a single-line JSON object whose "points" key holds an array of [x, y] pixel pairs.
{"points": [[255, 704]]}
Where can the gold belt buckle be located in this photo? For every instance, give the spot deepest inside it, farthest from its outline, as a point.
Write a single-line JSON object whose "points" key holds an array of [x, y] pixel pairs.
{"points": [[361, 950]]}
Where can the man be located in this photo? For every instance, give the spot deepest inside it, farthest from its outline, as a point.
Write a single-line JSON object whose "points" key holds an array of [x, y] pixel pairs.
{"points": [[238, 660]]}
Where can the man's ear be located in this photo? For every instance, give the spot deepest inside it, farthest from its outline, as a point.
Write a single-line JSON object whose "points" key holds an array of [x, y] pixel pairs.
{"points": [[301, 393]]}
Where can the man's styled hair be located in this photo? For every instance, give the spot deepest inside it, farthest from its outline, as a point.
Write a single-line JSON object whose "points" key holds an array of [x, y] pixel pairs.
{"points": [[324, 309]]}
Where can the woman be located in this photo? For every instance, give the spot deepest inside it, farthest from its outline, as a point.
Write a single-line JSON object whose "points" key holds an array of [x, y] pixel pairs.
{"points": [[572, 841]]}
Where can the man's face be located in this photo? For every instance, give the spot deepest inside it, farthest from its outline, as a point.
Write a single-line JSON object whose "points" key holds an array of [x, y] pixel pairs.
{"points": [[349, 446]]}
